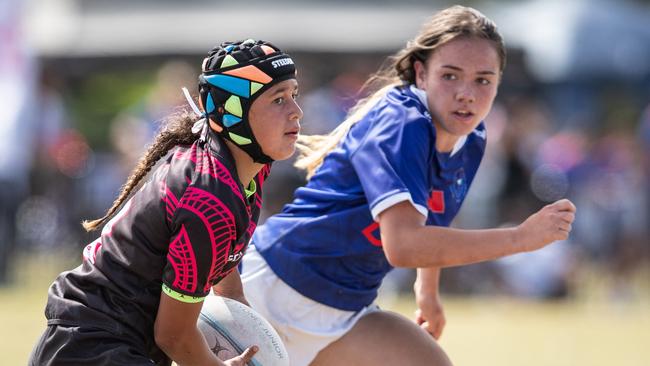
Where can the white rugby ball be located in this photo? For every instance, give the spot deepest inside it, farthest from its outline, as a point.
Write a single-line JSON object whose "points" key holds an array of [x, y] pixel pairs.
{"points": [[230, 327]]}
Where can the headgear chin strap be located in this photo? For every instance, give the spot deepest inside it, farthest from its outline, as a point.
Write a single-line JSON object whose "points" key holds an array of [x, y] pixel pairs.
{"points": [[234, 74]]}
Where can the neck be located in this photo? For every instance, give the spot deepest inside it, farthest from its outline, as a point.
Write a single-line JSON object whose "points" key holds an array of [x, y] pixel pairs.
{"points": [[445, 142], [247, 169]]}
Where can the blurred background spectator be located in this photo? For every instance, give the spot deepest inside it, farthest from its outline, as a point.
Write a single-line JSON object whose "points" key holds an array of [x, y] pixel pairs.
{"points": [[84, 84], [17, 127]]}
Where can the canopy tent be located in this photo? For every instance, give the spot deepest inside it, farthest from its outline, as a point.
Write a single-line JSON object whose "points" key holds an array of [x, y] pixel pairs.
{"points": [[568, 40], [561, 39]]}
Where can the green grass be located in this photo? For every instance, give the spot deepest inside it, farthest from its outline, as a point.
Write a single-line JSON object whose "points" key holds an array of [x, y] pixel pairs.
{"points": [[494, 331], [22, 306], [591, 330]]}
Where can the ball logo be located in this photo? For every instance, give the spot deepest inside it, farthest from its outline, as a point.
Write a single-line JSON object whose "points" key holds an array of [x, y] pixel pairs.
{"points": [[229, 327], [282, 62]]}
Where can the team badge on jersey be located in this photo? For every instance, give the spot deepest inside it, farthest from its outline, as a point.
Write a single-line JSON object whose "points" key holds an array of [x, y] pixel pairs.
{"points": [[459, 187], [437, 202]]}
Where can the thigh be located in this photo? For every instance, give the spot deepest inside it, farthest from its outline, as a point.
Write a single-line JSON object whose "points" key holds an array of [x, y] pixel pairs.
{"points": [[69, 346], [383, 338]]}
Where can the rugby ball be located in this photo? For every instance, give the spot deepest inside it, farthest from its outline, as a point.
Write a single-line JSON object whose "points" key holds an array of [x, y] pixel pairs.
{"points": [[230, 327]]}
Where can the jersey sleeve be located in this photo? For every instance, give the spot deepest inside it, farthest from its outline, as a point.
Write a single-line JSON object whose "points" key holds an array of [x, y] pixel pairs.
{"points": [[203, 228], [392, 160]]}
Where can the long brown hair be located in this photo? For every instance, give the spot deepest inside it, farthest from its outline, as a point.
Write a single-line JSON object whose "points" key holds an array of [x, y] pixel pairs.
{"points": [[444, 26], [176, 130]]}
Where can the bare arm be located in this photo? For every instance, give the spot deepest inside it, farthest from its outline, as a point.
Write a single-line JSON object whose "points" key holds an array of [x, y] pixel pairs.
{"points": [[408, 242], [231, 287], [177, 335], [429, 315]]}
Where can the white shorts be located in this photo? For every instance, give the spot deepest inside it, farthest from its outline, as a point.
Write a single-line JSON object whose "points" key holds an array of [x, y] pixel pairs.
{"points": [[305, 326]]}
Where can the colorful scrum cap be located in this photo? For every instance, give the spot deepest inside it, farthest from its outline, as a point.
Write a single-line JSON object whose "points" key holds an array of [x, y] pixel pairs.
{"points": [[234, 74]]}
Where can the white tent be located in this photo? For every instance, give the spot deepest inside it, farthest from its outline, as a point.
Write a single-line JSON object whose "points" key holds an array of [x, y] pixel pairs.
{"points": [[565, 40], [561, 39]]}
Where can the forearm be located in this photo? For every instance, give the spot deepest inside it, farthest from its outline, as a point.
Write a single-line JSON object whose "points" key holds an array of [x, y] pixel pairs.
{"points": [[426, 282], [230, 287], [409, 242], [432, 246], [188, 349]]}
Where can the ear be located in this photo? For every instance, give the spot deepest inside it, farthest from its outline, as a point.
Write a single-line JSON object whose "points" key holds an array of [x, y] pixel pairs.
{"points": [[420, 74]]}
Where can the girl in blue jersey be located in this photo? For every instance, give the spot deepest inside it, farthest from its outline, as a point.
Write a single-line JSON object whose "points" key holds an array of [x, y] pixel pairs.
{"points": [[384, 187], [136, 298]]}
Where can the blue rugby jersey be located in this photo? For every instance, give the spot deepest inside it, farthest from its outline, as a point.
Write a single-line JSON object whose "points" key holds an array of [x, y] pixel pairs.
{"points": [[326, 243]]}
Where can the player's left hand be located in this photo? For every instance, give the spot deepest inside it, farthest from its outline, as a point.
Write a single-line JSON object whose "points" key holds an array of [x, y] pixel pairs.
{"points": [[430, 315], [244, 358]]}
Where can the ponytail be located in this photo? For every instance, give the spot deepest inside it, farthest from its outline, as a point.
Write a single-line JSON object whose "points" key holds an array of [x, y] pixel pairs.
{"points": [[314, 148], [445, 26]]}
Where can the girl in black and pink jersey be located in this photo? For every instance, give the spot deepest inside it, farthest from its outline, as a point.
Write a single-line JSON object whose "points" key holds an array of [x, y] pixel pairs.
{"points": [[137, 295]]}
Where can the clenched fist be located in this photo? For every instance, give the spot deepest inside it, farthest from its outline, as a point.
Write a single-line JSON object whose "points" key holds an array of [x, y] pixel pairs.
{"points": [[551, 223]]}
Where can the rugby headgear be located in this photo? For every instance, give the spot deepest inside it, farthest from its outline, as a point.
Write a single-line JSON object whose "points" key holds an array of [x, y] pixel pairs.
{"points": [[233, 75]]}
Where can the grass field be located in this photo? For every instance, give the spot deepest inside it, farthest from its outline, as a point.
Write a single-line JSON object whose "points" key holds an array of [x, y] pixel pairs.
{"points": [[587, 331]]}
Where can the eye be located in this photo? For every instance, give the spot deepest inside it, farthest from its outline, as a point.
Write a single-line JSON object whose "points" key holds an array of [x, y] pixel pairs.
{"points": [[483, 81], [278, 100], [295, 95], [449, 76]]}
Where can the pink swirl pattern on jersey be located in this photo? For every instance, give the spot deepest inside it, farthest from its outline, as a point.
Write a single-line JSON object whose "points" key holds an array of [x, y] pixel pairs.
{"points": [[186, 154], [90, 251], [217, 218], [258, 201], [219, 222], [264, 173], [251, 228], [249, 231], [171, 202], [182, 258], [261, 178], [206, 163]]}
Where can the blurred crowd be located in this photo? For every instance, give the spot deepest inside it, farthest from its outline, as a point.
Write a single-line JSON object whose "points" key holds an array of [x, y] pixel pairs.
{"points": [[57, 169]]}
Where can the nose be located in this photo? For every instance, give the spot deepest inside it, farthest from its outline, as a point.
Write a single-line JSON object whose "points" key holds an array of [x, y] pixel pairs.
{"points": [[296, 111], [465, 94]]}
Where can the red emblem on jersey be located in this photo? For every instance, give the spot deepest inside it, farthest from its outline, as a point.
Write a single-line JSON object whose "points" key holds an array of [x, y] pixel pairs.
{"points": [[369, 233], [437, 202]]}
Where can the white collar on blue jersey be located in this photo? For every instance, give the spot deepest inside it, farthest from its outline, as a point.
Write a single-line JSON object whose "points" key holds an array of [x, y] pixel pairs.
{"points": [[422, 96]]}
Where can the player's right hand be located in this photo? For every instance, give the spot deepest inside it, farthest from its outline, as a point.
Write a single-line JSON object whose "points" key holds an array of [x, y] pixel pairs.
{"points": [[244, 358], [551, 223]]}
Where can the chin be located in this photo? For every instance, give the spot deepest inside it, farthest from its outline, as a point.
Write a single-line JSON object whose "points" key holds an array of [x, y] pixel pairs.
{"points": [[284, 155], [466, 130]]}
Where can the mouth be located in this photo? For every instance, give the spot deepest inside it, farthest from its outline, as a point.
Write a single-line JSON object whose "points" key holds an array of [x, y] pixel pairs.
{"points": [[463, 115], [293, 132]]}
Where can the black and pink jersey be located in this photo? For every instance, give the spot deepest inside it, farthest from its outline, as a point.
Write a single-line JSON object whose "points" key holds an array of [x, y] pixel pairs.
{"points": [[182, 232]]}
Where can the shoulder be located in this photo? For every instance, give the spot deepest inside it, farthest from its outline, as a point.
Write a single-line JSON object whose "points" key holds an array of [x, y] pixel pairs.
{"points": [[402, 108], [180, 165], [400, 115], [202, 168], [478, 138]]}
